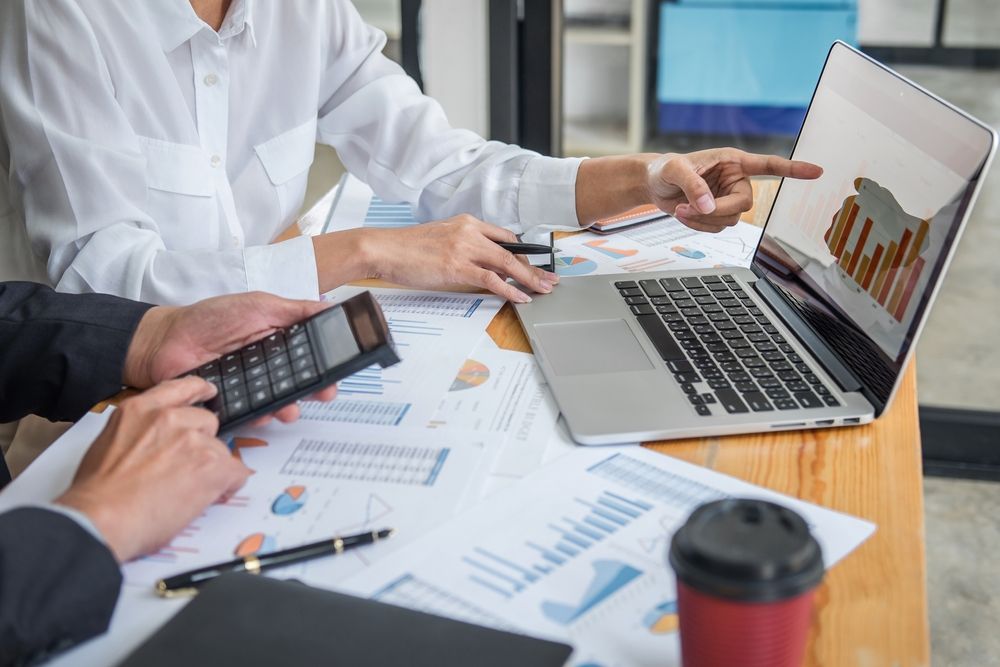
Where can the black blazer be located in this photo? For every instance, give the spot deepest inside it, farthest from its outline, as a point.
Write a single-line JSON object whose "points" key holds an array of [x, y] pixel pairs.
{"points": [[59, 355], [58, 585]]}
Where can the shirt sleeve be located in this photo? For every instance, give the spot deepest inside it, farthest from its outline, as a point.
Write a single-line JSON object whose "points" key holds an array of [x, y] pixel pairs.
{"points": [[399, 141], [62, 353], [76, 516], [60, 585], [78, 172]]}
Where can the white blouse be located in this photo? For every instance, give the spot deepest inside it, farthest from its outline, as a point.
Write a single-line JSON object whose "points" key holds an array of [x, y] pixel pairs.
{"points": [[152, 157]]}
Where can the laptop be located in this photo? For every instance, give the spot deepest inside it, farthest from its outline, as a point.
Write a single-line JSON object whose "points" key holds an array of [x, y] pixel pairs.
{"points": [[818, 330]]}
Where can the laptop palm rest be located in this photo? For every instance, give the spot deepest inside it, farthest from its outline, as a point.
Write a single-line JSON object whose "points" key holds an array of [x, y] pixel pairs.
{"points": [[591, 347]]}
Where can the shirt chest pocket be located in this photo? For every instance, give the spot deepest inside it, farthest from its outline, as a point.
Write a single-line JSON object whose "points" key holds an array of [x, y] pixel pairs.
{"points": [[181, 194], [286, 160]]}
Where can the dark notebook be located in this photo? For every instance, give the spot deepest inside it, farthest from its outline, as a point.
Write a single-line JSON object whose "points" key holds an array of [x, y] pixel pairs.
{"points": [[248, 620]]}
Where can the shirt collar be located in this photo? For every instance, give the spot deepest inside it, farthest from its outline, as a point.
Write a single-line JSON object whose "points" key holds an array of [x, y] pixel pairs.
{"points": [[239, 18], [177, 22]]}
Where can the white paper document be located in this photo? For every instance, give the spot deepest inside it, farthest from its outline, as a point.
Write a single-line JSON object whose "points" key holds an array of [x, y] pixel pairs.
{"points": [[312, 482], [577, 553], [434, 332], [358, 206], [664, 245], [504, 392]]}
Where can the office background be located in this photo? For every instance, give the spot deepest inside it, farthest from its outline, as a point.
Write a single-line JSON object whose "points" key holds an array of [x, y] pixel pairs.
{"points": [[631, 75]]}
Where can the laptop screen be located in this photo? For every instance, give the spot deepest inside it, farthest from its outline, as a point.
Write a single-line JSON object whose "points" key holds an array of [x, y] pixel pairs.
{"points": [[859, 251]]}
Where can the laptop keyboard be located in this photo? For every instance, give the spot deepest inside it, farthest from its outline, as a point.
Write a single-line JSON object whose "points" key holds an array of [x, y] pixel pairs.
{"points": [[721, 348]]}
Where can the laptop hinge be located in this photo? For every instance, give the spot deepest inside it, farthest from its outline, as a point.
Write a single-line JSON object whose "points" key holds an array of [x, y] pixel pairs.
{"points": [[816, 346]]}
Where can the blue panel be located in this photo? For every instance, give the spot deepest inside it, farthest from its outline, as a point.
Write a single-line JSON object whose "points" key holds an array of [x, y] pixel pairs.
{"points": [[773, 4], [746, 55], [730, 119]]}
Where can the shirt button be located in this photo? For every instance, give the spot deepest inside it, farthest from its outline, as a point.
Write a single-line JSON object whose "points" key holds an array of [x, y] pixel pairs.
{"points": [[216, 161], [211, 79]]}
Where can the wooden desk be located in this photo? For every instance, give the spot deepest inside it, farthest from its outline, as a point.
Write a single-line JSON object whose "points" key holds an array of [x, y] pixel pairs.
{"points": [[872, 605]]}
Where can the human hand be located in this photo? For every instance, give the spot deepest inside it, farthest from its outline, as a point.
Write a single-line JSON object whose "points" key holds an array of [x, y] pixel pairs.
{"points": [[709, 190], [170, 341], [459, 251], [154, 469]]}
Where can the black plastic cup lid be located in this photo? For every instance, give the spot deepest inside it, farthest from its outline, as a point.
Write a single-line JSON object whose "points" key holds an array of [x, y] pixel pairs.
{"points": [[746, 550]]}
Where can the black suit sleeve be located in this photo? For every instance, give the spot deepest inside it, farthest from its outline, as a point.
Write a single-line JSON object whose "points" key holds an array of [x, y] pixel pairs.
{"points": [[61, 353], [58, 584]]}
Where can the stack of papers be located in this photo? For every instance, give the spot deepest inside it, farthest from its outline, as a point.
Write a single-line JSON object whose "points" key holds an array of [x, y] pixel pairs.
{"points": [[662, 245], [500, 518], [578, 553]]}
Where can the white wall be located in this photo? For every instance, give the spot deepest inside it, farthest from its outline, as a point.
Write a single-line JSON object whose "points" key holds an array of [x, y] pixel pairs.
{"points": [[896, 22], [454, 53]]}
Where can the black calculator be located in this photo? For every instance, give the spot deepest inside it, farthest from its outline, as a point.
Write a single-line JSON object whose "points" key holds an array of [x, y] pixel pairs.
{"points": [[295, 362]]}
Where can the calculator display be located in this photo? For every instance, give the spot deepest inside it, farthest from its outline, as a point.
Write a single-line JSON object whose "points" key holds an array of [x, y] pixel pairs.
{"points": [[336, 338]]}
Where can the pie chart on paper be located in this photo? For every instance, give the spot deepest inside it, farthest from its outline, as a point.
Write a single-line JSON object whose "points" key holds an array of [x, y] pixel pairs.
{"points": [[690, 253], [574, 266], [255, 544], [472, 374], [290, 501]]}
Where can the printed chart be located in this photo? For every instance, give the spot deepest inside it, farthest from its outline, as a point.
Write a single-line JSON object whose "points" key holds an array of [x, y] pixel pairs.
{"points": [[472, 374], [663, 245], [383, 215], [503, 392], [558, 556], [433, 333], [570, 265], [308, 486], [366, 461]]}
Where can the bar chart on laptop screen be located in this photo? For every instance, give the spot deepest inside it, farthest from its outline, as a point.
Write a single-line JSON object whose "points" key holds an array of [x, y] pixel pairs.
{"points": [[878, 246]]}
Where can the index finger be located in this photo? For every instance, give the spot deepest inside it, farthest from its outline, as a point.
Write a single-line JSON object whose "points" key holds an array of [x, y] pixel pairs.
{"points": [[772, 165], [496, 234], [176, 393]]}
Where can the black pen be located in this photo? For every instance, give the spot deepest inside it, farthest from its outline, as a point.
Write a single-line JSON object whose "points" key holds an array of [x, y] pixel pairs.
{"points": [[187, 583], [526, 248]]}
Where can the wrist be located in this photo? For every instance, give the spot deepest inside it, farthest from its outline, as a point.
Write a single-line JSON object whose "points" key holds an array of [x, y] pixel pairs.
{"points": [[343, 257], [101, 518], [146, 341], [610, 185], [642, 167]]}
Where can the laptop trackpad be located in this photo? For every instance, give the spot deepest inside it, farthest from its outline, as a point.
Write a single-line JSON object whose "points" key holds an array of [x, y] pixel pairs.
{"points": [[591, 348]]}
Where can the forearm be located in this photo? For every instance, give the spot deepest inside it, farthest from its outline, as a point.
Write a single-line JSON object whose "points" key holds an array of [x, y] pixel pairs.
{"points": [[607, 186], [343, 257], [60, 584]]}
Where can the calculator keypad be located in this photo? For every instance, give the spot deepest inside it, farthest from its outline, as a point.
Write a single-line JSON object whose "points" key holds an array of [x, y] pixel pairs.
{"points": [[261, 373]]}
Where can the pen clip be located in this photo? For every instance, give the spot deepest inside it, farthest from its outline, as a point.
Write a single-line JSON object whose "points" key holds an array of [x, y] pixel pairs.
{"points": [[169, 593]]}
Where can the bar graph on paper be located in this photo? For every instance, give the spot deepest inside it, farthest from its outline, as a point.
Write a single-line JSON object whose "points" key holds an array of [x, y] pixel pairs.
{"points": [[366, 462], [570, 537], [383, 215], [368, 382], [352, 411], [879, 246], [590, 521], [373, 381], [415, 593], [447, 305]]}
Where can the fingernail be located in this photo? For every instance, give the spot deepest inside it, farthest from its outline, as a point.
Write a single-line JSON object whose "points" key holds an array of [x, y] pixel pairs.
{"points": [[522, 298], [546, 285], [552, 278], [705, 203]]}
